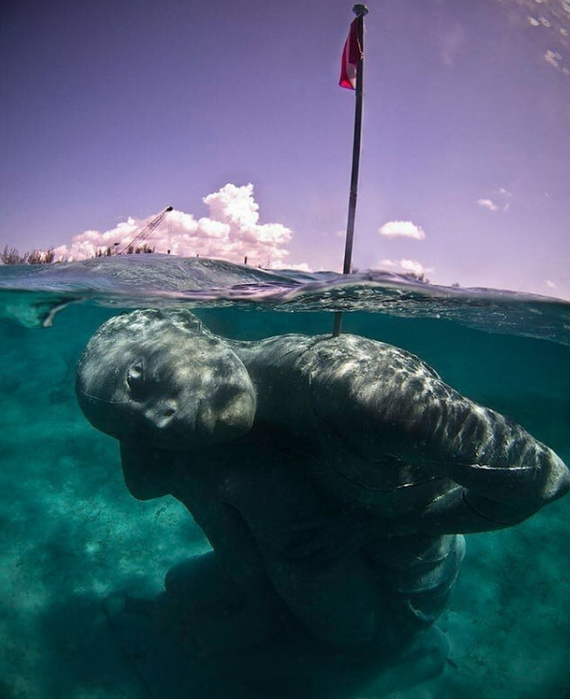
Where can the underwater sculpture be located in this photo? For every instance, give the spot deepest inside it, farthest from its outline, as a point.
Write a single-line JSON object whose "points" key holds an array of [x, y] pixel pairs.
{"points": [[332, 476]]}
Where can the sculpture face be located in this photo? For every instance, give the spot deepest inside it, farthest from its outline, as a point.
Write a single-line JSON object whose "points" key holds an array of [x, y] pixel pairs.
{"points": [[165, 382]]}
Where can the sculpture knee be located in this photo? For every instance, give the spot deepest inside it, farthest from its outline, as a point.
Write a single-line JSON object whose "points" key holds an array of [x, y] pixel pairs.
{"points": [[339, 604]]}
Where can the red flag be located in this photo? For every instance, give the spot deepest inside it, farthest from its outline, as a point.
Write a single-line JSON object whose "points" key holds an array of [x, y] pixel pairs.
{"points": [[351, 57]]}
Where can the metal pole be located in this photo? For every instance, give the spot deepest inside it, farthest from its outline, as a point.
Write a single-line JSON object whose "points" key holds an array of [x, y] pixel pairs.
{"points": [[360, 11]]}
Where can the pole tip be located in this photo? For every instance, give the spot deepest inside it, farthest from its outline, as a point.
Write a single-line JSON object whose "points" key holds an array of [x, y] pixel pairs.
{"points": [[360, 10]]}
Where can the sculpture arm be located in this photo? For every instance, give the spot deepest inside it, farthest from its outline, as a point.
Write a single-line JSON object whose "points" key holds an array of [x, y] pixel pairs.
{"points": [[505, 474], [231, 540], [495, 498], [152, 473], [396, 405]]}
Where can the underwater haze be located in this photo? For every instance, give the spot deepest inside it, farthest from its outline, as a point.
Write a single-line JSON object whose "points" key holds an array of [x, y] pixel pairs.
{"points": [[72, 535]]}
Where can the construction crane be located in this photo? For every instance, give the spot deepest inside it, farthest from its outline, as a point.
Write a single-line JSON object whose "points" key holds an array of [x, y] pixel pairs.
{"points": [[145, 232]]}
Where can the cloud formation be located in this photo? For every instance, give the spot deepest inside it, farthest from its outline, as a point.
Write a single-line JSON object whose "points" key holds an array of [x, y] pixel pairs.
{"points": [[231, 231], [501, 200], [402, 229], [404, 266], [488, 204]]}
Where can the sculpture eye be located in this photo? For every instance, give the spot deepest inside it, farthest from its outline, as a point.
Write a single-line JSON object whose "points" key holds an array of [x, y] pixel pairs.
{"points": [[136, 379]]}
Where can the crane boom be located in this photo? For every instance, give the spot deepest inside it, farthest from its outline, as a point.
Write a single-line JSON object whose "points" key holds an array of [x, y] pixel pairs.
{"points": [[145, 232]]}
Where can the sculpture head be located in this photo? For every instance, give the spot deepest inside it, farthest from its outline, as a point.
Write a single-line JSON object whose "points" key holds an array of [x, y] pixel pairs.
{"points": [[159, 377]]}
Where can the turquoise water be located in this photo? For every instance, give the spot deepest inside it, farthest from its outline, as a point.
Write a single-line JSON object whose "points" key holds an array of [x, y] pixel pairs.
{"points": [[72, 534]]}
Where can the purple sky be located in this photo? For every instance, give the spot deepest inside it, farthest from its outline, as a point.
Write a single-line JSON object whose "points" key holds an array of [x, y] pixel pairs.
{"points": [[116, 109]]}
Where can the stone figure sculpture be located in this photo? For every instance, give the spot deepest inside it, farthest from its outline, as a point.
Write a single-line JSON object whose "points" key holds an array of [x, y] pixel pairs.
{"points": [[334, 477]]}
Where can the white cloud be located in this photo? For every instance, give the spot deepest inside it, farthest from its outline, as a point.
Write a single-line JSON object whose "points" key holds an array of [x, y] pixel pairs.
{"points": [[553, 58], [231, 231], [488, 204], [501, 200], [404, 265], [403, 229], [550, 284]]}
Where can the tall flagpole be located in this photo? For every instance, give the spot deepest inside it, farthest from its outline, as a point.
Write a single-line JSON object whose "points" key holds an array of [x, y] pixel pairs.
{"points": [[360, 11]]}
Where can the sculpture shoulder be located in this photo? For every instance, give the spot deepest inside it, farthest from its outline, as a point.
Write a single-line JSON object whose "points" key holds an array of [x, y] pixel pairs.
{"points": [[344, 359], [371, 377], [279, 351], [351, 355]]}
